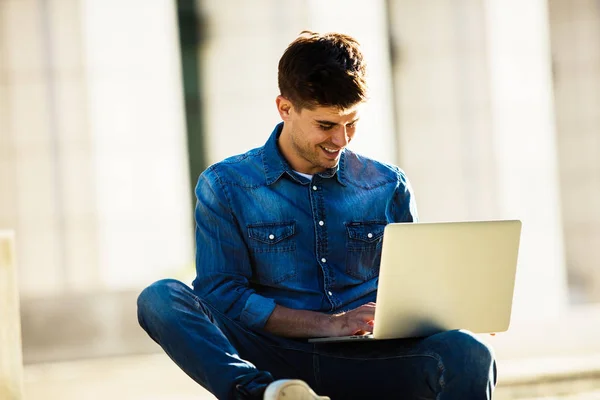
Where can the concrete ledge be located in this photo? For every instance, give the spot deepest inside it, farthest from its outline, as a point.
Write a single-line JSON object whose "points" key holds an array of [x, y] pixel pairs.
{"points": [[141, 377], [550, 369], [576, 377], [82, 325], [557, 358], [574, 332], [11, 364]]}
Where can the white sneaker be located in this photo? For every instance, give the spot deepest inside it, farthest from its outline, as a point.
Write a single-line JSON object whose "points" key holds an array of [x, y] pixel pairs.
{"points": [[291, 389]]}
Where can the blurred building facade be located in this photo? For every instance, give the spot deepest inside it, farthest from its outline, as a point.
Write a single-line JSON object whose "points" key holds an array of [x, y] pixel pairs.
{"points": [[575, 38], [93, 165], [492, 107]]}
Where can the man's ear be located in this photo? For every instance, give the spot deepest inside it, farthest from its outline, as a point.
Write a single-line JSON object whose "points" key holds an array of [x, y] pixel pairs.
{"points": [[284, 107]]}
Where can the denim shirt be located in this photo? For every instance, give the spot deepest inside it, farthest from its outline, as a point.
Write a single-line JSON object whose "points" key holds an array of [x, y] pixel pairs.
{"points": [[266, 235]]}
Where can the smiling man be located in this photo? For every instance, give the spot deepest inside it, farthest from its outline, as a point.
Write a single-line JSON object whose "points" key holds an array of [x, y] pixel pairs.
{"points": [[312, 141], [288, 245]]}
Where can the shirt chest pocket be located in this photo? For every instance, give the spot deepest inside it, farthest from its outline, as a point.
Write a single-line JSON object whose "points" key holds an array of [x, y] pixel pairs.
{"points": [[363, 248], [272, 249]]}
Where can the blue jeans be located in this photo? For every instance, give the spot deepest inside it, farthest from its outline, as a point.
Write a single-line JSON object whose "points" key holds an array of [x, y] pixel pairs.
{"points": [[234, 362]]}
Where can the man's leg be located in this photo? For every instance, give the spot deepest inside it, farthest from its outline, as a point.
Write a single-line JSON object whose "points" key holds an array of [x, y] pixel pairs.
{"points": [[446, 366], [212, 349]]}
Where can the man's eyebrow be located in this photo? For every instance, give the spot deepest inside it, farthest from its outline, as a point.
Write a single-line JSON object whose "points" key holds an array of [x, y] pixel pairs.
{"points": [[324, 122]]}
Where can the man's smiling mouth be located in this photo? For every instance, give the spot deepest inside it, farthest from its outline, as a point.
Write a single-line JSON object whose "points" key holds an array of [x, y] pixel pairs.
{"points": [[327, 149]]}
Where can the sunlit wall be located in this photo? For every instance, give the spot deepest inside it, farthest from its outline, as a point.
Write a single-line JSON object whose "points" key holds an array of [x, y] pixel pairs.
{"points": [[92, 143]]}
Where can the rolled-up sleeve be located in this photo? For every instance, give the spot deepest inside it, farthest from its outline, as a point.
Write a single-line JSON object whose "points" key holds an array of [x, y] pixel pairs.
{"points": [[223, 268]]}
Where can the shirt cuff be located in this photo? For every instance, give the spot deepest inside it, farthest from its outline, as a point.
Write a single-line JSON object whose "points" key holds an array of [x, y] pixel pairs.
{"points": [[257, 311]]}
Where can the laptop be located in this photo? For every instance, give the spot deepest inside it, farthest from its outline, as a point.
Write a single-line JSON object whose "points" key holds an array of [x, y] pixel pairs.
{"points": [[436, 277]]}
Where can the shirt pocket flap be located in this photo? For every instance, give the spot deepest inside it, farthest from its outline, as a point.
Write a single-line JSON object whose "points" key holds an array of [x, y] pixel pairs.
{"points": [[368, 232], [271, 233]]}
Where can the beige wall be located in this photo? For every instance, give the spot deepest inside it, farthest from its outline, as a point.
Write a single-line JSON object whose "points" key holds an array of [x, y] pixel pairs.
{"points": [[135, 103], [93, 162], [47, 191], [575, 32]]}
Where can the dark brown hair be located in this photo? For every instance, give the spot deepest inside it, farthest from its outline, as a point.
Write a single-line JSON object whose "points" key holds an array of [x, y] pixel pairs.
{"points": [[323, 70]]}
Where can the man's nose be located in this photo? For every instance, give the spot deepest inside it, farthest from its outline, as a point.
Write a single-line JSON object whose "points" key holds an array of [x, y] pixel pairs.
{"points": [[340, 137]]}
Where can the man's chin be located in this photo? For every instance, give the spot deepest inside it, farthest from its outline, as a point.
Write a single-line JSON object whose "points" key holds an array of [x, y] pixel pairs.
{"points": [[330, 165]]}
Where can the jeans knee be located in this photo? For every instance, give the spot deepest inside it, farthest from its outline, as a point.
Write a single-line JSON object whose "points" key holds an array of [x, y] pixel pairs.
{"points": [[471, 348], [464, 353], [156, 301], [469, 367]]}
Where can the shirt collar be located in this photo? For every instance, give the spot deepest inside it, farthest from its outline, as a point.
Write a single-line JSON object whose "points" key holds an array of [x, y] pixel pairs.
{"points": [[275, 164]]}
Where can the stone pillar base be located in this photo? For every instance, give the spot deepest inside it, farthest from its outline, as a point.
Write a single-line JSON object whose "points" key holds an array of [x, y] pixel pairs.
{"points": [[11, 364]]}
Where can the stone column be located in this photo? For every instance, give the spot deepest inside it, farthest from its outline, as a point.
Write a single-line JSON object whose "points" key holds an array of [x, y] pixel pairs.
{"points": [[11, 365], [525, 150], [242, 44], [137, 128], [40, 111], [476, 127], [93, 166], [575, 30]]}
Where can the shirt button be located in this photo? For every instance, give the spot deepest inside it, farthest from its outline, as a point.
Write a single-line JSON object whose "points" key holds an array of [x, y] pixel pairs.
{"points": [[314, 188], [329, 293], [321, 223], [369, 235], [271, 236], [323, 260]]}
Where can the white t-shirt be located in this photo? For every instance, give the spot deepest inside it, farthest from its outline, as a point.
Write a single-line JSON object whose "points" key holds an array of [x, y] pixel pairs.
{"points": [[307, 176]]}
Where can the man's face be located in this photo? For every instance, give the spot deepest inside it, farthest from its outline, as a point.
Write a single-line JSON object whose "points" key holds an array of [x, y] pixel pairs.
{"points": [[312, 141]]}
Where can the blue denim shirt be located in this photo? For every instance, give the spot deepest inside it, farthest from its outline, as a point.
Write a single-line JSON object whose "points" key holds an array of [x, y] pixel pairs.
{"points": [[266, 235]]}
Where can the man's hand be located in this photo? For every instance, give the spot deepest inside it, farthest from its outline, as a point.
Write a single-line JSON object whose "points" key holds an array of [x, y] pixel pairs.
{"points": [[354, 322], [302, 323]]}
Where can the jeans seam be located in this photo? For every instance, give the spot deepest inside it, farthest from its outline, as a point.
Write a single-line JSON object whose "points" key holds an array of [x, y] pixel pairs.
{"points": [[441, 381], [431, 355]]}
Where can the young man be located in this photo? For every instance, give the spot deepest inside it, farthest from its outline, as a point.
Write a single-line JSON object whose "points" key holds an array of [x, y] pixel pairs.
{"points": [[288, 244]]}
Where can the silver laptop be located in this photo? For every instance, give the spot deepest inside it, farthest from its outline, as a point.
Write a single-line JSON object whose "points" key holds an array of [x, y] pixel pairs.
{"points": [[442, 276]]}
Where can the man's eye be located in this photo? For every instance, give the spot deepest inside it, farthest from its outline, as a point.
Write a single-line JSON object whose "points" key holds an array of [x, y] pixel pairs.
{"points": [[325, 127], [351, 126]]}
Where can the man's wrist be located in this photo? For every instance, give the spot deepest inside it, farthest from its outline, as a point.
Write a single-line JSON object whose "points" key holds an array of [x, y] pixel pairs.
{"points": [[332, 324]]}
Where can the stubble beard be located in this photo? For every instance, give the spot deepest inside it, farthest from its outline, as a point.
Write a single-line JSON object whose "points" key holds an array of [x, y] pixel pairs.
{"points": [[312, 154]]}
